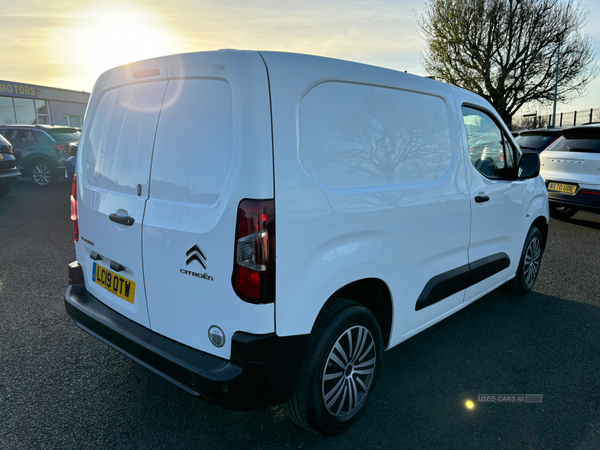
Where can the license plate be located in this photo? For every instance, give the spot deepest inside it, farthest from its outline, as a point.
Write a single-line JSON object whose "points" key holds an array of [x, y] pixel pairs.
{"points": [[1, 157], [114, 283], [559, 187]]}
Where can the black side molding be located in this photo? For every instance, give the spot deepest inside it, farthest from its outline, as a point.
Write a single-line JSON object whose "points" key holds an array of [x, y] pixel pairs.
{"points": [[444, 285]]}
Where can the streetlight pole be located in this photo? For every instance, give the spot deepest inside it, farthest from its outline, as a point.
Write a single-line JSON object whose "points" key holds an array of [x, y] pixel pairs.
{"points": [[556, 85]]}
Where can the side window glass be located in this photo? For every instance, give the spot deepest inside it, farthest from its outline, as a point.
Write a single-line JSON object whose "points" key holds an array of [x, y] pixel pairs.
{"points": [[11, 136], [486, 144], [510, 153], [20, 135], [29, 137], [41, 137]]}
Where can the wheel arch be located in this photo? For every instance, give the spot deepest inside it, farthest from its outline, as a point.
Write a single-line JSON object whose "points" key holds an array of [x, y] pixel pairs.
{"points": [[372, 293], [32, 159], [542, 224]]}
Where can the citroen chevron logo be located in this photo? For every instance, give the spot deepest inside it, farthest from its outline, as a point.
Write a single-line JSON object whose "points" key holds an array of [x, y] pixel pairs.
{"points": [[195, 253]]}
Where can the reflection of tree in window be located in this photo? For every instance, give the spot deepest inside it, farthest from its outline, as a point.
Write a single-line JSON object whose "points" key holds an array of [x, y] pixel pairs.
{"points": [[384, 142]]}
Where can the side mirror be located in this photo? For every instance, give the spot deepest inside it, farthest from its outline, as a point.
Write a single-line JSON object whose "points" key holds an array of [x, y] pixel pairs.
{"points": [[529, 166]]}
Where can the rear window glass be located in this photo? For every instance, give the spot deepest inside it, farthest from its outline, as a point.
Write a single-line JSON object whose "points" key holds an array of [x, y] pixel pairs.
{"points": [[354, 135], [576, 145], [536, 143], [3, 141], [118, 143], [65, 134], [194, 142]]}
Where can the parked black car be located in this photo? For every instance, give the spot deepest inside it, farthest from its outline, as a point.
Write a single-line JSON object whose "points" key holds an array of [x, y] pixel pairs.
{"points": [[8, 167], [536, 141], [41, 151]]}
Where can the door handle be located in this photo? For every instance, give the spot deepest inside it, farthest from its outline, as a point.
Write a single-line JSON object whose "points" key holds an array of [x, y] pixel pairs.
{"points": [[123, 220], [481, 198]]}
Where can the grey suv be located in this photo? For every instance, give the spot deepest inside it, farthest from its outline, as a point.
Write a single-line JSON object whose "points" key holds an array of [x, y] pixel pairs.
{"points": [[41, 151]]}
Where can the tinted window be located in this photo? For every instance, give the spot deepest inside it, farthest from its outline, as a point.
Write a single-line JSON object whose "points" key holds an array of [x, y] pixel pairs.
{"points": [[575, 144], [18, 136], [65, 134], [3, 140], [42, 137], [536, 143], [353, 135]]}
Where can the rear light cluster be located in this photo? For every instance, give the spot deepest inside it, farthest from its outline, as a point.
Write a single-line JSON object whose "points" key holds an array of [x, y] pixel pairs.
{"points": [[10, 149], [63, 148], [74, 209], [254, 266]]}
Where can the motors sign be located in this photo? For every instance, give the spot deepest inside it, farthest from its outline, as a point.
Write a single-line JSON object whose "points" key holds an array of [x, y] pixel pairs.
{"points": [[17, 89]]}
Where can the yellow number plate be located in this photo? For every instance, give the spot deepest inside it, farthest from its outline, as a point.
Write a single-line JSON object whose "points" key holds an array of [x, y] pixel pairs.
{"points": [[113, 283], [1, 157], [559, 187]]}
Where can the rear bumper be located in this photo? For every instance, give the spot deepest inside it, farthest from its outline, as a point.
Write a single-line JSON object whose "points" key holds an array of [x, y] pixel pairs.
{"points": [[585, 199], [10, 173], [262, 371]]}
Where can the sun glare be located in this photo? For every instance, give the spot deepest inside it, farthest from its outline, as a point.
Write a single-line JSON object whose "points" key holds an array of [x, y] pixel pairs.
{"points": [[105, 40]]}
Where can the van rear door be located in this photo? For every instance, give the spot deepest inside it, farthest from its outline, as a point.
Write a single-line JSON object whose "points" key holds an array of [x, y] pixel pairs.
{"points": [[213, 149], [113, 179]]}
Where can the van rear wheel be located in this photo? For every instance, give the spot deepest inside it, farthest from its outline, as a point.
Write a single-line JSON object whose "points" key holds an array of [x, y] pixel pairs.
{"points": [[340, 369]]}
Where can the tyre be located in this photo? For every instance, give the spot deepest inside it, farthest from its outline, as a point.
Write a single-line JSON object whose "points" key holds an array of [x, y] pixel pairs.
{"points": [[43, 173], [529, 265], [562, 212], [6, 185], [340, 370]]}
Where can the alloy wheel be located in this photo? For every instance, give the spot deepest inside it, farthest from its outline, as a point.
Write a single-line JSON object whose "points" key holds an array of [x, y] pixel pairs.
{"points": [[41, 174], [349, 370], [532, 261]]}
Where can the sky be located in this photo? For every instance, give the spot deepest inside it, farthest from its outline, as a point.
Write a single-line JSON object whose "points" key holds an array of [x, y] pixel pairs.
{"points": [[68, 44]]}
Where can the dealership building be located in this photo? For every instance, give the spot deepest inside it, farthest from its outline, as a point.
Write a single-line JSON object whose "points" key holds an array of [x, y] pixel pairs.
{"points": [[30, 104]]}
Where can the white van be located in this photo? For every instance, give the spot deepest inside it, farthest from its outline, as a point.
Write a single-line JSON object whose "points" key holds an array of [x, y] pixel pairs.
{"points": [[257, 227]]}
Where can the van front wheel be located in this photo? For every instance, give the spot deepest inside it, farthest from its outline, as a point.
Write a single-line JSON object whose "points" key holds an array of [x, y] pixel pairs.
{"points": [[529, 265], [340, 369]]}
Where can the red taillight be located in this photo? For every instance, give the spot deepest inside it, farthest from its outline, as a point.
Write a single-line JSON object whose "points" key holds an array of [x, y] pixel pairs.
{"points": [[254, 265], [74, 216], [10, 149], [61, 148]]}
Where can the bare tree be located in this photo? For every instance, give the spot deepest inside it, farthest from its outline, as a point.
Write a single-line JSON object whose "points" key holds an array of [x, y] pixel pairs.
{"points": [[506, 50]]}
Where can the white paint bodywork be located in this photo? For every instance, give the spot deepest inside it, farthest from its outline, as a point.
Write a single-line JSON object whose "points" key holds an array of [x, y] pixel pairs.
{"points": [[402, 226]]}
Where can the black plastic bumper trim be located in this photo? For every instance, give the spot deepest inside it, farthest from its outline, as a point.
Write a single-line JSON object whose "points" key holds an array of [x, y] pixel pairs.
{"points": [[262, 371]]}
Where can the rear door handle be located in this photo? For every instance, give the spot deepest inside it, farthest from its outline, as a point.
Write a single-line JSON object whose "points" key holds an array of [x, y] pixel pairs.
{"points": [[481, 198], [123, 220]]}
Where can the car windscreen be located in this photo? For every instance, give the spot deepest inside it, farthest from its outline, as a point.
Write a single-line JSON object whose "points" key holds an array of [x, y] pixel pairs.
{"points": [[535, 142], [65, 134]]}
